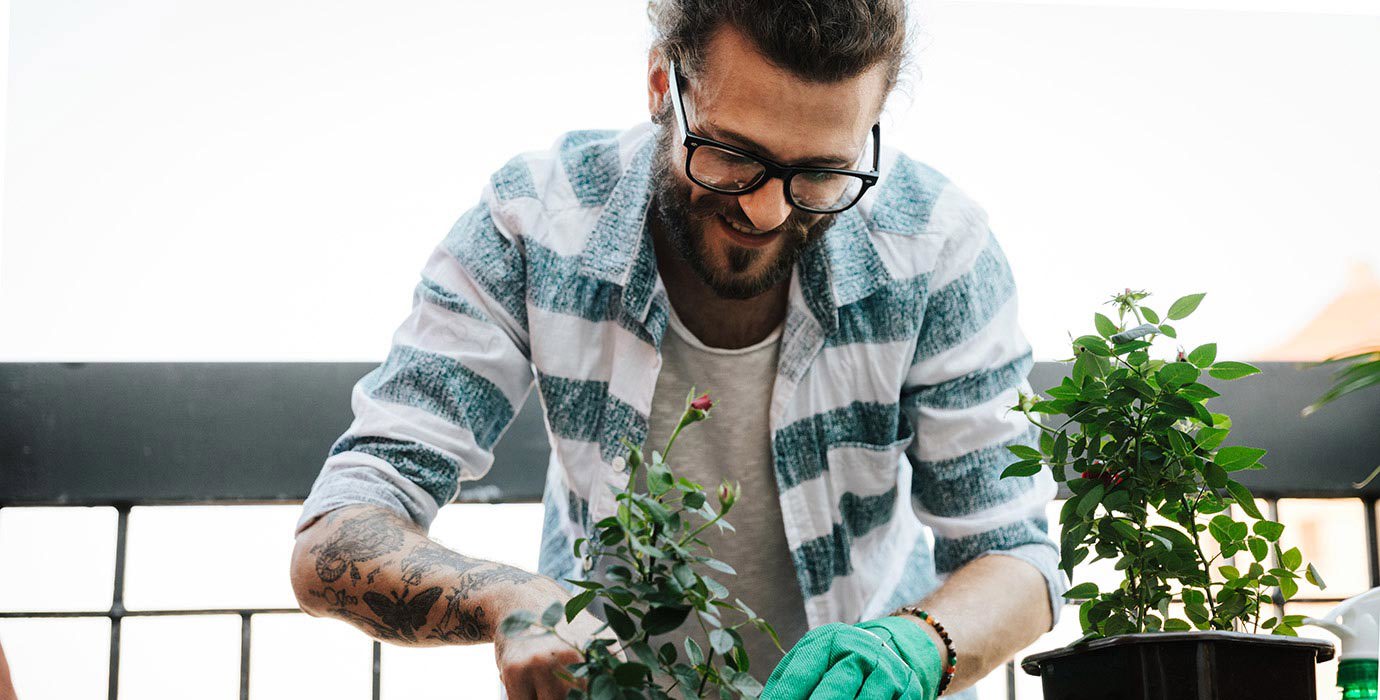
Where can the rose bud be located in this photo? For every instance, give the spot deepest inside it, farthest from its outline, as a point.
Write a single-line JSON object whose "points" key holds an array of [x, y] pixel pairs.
{"points": [[703, 403], [728, 494]]}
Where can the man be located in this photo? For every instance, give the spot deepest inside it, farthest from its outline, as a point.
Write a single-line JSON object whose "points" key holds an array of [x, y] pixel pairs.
{"points": [[860, 340]]}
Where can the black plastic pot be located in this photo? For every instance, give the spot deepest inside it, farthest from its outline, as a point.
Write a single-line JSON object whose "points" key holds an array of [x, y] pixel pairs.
{"points": [[1182, 666]]}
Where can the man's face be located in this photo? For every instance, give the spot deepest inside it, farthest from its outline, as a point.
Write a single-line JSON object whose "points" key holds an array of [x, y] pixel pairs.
{"points": [[744, 245]]}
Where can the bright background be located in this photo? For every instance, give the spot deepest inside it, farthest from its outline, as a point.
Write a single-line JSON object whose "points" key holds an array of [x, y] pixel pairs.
{"points": [[262, 180]]}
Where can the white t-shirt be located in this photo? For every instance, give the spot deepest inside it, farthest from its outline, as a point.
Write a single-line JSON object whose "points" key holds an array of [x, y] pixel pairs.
{"points": [[734, 443]]}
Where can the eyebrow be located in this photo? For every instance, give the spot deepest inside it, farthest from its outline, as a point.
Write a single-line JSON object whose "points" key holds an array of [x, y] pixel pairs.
{"points": [[729, 135]]}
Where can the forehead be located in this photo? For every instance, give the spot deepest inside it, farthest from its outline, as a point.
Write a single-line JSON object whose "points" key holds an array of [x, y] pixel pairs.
{"points": [[739, 90]]}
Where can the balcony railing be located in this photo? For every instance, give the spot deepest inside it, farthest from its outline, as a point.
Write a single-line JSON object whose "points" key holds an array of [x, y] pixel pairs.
{"points": [[128, 435]]}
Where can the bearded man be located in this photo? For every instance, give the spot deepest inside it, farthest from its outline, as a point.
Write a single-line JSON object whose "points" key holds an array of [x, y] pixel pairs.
{"points": [[848, 307]]}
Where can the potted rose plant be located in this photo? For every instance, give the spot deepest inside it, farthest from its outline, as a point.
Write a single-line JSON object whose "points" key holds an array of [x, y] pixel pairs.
{"points": [[1152, 490], [655, 578]]}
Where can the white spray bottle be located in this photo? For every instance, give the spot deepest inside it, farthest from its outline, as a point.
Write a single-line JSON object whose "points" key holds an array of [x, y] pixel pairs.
{"points": [[1356, 622]]}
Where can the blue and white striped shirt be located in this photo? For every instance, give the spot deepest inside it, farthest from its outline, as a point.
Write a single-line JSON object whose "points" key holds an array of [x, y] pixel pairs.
{"points": [[900, 356]]}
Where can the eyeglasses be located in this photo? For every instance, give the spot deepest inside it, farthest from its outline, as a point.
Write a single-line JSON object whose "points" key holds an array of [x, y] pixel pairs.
{"points": [[727, 169]]}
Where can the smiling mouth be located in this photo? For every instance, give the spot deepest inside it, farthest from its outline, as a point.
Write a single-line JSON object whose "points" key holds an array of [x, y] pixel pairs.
{"points": [[741, 229]]}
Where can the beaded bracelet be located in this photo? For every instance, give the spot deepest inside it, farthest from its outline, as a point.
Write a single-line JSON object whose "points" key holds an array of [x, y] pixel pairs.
{"points": [[948, 644]]}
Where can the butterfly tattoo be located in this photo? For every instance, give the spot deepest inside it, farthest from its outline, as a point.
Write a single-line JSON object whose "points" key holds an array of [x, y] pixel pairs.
{"points": [[402, 615]]}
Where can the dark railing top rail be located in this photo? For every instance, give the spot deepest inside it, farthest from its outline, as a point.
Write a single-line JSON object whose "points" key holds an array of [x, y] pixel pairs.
{"points": [[165, 433]]}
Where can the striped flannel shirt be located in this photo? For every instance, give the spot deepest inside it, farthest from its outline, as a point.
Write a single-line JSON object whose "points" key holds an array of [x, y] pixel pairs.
{"points": [[900, 357]]}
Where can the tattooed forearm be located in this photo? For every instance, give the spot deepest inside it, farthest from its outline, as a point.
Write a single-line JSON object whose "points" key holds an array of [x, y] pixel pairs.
{"points": [[397, 577], [464, 619], [368, 536], [427, 557]]}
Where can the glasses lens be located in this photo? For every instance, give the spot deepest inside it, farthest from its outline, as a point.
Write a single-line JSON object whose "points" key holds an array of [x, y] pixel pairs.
{"points": [[724, 170], [825, 191]]}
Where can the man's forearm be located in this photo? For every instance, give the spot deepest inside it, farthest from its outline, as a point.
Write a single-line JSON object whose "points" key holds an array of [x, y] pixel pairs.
{"points": [[379, 572], [991, 607]]}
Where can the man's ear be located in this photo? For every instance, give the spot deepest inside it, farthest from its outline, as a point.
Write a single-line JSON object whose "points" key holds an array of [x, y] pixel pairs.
{"points": [[657, 82]]}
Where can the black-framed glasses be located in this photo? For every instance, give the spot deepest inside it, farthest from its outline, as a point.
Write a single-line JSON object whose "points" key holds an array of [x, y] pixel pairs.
{"points": [[727, 169]]}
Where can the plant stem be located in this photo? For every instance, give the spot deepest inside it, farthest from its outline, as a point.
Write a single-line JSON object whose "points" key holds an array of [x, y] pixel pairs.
{"points": [[1198, 545]]}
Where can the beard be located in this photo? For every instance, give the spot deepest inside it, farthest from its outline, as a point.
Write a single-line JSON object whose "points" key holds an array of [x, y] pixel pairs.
{"points": [[684, 225]]}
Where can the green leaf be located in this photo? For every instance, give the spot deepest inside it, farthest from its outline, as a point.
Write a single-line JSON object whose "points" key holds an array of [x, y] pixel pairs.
{"points": [[1315, 578], [693, 652], [590, 585], [619, 621], [1259, 548], [1088, 501], [630, 673], [1203, 355], [1209, 438], [1236, 457], [1229, 572], [1024, 467], [1104, 325], [693, 499], [604, 688], [717, 565], [1174, 624], [1176, 374], [1220, 529], [1083, 591], [1215, 476], [1149, 314], [1024, 451], [745, 684], [517, 622], [1268, 529], [551, 615], [1179, 443], [1244, 499], [578, 603], [1168, 330], [1232, 370], [664, 618], [1291, 559], [720, 641], [1184, 306], [1288, 587]]}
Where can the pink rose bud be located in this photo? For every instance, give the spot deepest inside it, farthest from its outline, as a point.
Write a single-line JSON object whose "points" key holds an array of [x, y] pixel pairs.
{"points": [[703, 403], [728, 494]]}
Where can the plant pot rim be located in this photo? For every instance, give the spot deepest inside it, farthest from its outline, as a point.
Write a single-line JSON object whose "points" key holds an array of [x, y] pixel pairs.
{"points": [[1323, 649]]}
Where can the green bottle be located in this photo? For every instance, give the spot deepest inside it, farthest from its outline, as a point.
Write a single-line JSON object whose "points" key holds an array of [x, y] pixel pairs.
{"points": [[1356, 622], [1356, 678]]}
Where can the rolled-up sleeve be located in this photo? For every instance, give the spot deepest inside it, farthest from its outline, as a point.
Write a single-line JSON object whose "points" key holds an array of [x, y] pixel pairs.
{"points": [[457, 371], [971, 360]]}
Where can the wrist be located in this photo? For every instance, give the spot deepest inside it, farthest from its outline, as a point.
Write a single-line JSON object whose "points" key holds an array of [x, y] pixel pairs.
{"points": [[933, 635], [534, 595]]}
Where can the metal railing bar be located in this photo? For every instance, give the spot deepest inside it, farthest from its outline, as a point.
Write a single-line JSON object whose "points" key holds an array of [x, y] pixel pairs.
{"points": [[117, 600], [146, 613], [1011, 680], [1372, 542], [377, 671], [244, 655]]}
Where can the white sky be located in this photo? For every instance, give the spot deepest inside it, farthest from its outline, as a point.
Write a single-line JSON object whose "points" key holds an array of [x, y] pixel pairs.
{"points": [[263, 180]]}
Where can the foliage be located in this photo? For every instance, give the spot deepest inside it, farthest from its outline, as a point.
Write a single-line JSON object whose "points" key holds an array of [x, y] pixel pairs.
{"points": [[655, 580], [1362, 372], [1152, 484]]}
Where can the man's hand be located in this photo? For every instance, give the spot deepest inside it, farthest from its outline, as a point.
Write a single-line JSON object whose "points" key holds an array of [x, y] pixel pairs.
{"points": [[885, 659], [528, 662]]}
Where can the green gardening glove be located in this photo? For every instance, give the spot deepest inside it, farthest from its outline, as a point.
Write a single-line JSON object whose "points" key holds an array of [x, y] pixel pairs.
{"points": [[885, 659]]}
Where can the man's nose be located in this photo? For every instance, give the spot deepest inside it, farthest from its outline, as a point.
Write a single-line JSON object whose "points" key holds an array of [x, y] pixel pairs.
{"points": [[766, 206]]}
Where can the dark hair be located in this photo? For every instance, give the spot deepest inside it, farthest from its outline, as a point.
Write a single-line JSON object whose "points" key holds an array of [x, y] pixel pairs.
{"points": [[817, 40]]}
